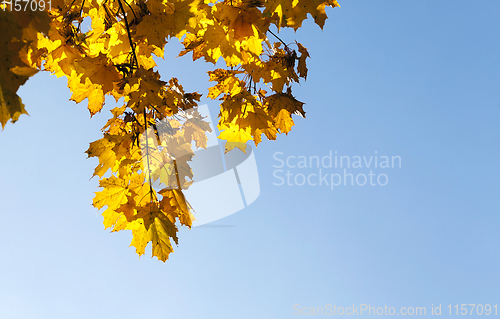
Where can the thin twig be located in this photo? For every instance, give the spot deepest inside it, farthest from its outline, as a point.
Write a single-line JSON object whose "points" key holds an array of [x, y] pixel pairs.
{"points": [[135, 17], [81, 10], [132, 46], [177, 175], [286, 46], [147, 152]]}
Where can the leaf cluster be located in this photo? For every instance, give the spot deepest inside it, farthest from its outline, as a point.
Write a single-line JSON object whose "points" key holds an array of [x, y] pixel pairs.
{"points": [[149, 139]]}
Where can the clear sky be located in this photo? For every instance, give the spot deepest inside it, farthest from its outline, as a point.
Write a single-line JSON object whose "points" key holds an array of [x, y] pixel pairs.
{"points": [[418, 80]]}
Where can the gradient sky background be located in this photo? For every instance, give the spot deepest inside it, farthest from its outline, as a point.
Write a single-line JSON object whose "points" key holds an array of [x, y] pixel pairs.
{"points": [[418, 80]]}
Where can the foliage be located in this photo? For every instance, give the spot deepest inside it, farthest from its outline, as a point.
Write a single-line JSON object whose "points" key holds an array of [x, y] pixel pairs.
{"points": [[115, 57]]}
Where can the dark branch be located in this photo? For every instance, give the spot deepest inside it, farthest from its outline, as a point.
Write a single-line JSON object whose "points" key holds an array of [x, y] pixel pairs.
{"points": [[132, 45]]}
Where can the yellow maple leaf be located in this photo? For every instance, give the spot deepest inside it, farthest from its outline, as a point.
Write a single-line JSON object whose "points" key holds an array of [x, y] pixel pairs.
{"points": [[99, 70], [229, 146], [114, 193], [162, 230], [282, 8], [234, 133], [227, 83], [220, 43], [93, 92]]}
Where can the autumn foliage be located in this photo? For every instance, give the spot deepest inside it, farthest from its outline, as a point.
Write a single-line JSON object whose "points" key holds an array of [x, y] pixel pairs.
{"points": [[115, 57]]}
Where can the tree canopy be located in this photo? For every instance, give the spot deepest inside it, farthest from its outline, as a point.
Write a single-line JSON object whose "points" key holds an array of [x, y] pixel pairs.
{"points": [[116, 57]]}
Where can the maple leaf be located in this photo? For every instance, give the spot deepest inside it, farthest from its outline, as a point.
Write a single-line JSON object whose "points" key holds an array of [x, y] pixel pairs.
{"points": [[92, 79], [229, 146], [195, 130], [304, 54], [227, 83], [107, 152], [193, 43], [293, 13], [280, 107], [153, 26], [220, 43], [316, 8], [178, 207], [259, 123], [282, 8], [183, 16], [234, 133], [161, 230], [114, 193], [18, 40]]}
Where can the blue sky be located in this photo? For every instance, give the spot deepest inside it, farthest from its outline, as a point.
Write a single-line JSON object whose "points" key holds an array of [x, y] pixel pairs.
{"points": [[415, 80]]}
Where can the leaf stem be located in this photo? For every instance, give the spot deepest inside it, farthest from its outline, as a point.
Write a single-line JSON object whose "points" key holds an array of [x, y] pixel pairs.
{"points": [[286, 46], [177, 175], [147, 152]]}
